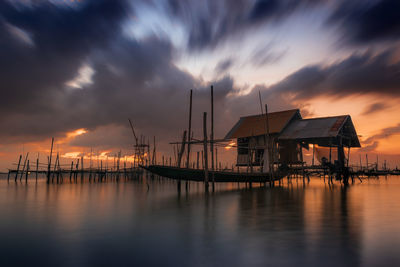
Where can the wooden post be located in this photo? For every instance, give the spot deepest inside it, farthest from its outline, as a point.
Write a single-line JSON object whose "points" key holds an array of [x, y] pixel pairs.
{"points": [[23, 168], [70, 173], [366, 158], [76, 172], [19, 163], [81, 168], [189, 130], [101, 171], [27, 171], [202, 160], [340, 158], [270, 156], [216, 158], [348, 156], [49, 165], [55, 168], [197, 160], [212, 134], [182, 150], [154, 151], [205, 150], [37, 166], [148, 151], [313, 151]]}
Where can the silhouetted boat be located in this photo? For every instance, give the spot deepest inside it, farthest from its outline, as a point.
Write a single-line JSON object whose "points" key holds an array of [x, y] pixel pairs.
{"points": [[219, 176]]}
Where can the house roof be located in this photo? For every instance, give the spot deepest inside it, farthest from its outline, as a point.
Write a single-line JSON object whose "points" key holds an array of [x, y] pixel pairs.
{"points": [[256, 125], [323, 131]]}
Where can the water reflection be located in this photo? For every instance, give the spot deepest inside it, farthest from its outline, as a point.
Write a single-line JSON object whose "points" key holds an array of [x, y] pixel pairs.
{"points": [[146, 222]]}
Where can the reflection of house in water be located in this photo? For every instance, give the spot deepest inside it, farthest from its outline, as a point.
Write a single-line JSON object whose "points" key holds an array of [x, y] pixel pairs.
{"points": [[288, 133]]}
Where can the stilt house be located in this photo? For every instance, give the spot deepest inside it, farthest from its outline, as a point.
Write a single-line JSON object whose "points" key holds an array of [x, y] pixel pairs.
{"points": [[279, 137]]}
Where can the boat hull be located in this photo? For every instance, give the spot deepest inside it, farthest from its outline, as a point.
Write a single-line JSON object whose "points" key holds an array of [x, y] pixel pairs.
{"points": [[198, 175]]}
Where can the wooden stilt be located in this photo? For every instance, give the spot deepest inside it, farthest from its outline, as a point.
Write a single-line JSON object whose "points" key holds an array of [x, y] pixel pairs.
{"points": [[70, 174], [212, 135], [49, 163], [205, 150], [19, 163], [27, 172], [189, 130], [37, 166]]}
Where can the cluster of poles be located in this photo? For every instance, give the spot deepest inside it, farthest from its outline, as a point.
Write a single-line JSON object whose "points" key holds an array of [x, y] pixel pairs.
{"points": [[57, 172]]}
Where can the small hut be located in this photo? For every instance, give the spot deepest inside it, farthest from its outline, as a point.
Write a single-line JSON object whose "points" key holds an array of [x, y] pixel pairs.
{"points": [[330, 132], [282, 135], [257, 134]]}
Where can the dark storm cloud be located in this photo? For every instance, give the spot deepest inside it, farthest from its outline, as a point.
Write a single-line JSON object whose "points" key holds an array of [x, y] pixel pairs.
{"points": [[137, 78], [61, 37], [133, 79], [358, 74], [364, 22]]}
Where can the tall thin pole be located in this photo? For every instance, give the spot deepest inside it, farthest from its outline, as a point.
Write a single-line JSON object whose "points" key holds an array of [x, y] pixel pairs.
{"points": [[212, 136], [313, 152], [19, 163], [190, 130], [205, 150], [182, 149], [23, 168], [270, 157], [212, 128], [37, 165], [49, 165]]}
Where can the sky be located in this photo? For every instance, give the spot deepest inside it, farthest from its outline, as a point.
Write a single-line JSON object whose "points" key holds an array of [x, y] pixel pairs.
{"points": [[77, 70]]}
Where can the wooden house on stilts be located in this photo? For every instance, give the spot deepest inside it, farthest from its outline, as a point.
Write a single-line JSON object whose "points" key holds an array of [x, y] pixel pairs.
{"points": [[277, 138]]}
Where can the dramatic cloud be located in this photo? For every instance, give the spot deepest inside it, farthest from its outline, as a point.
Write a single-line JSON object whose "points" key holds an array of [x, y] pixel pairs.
{"points": [[358, 74], [211, 22], [372, 142], [71, 66], [375, 107], [363, 22]]}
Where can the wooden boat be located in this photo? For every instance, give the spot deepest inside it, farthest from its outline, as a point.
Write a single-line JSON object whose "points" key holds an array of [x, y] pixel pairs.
{"points": [[219, 176]]}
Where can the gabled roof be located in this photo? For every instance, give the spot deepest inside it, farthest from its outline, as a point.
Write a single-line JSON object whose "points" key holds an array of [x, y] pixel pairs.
{"points": [[255, 125], [323, 131]]}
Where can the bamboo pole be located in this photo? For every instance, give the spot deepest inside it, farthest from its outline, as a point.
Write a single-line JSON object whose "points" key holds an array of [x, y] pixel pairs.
{"points": [[49, 163], [182, 150], [23, 168], [81, 168], [212, 134], [205, 150], [19, 163], [270, 157], [27, 172], [37, 166], [70, 174], [313, 152], [154, 151], [216, 158], [189, 130]]}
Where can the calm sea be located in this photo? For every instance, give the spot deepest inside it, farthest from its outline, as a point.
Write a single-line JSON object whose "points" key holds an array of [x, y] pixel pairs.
{"points": [[147, 223]]}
